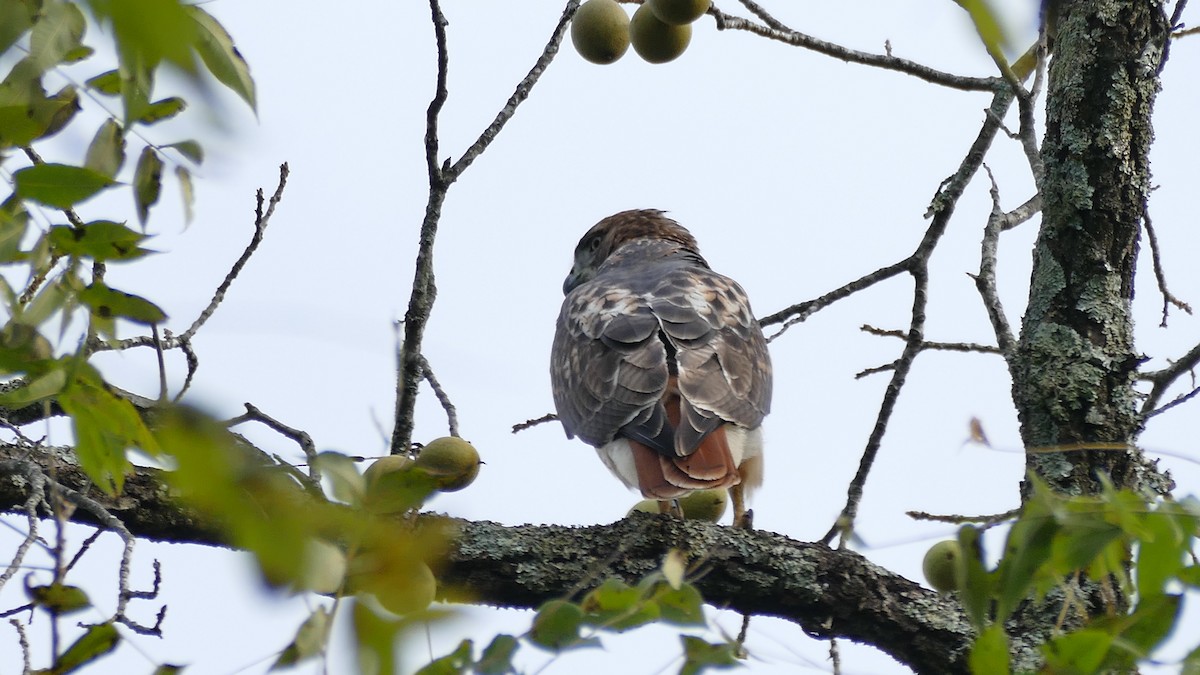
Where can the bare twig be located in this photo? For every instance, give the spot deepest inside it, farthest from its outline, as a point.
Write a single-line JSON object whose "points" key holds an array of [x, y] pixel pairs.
{"points": [[1163, 379], [991, 519], [301, 438], [442, 397], [1172, 32], [441, 176], [549, 417], [261, 220], [83, 549], [933, 346], [32, 473], [884, 61], [941, 209], [23, 640], [801, 311], [1159, 274], [985, 282], [111, 522], [1174, 402]]}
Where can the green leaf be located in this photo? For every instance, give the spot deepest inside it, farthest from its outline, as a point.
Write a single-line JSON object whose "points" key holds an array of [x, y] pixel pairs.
{"points": [[108, 82], [14, 222], [56, 35], [52, 298], [96, 642], [989, 654], [189, 149], [162, 110], [1140, 632], [376, 639], [59, 598], [108, 303], [682, 606], [1026, 549], [309, 641], [975, 587], [1080, 652], [24, 350], [222, 59], [15, 19], [497, 656], [458, 661], [1191, 663], [106, 153], [615, 605], [168, 669], [1190, 575], [100, 240], [105, 427], [186, 192], [26, 114], [700, 655], [1161, 555], [59, 185], [987, 24], [40, 388], [147, 182], [342, 472], [556, 626]]}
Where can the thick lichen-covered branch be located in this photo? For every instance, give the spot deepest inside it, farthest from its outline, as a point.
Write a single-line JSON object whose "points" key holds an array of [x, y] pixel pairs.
{"points": [[1076, 361]]}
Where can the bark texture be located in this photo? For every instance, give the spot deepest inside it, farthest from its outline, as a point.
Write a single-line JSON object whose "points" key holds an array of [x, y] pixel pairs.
{"points": [[1075, 364]]}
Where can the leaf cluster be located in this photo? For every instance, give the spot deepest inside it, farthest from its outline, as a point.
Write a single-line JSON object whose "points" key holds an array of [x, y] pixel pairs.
{"points": [[1137, 554]]}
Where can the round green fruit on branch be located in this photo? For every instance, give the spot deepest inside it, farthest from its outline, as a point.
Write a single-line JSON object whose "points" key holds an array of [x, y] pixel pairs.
{"points": [[655, 41], [600, 31], [941, 566], [705, 504], [699, 505], [678, 12], [452, 463]]}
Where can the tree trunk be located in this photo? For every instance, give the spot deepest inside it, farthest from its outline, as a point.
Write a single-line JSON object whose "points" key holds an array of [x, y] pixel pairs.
{"points": [[1076, 362]]}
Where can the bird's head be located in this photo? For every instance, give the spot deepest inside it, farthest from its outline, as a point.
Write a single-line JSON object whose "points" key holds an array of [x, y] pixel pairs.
{"points": [[610, 234]]}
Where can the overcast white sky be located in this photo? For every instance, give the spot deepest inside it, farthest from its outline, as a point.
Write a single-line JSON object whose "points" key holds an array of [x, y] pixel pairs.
{"points": [[796, 172]]}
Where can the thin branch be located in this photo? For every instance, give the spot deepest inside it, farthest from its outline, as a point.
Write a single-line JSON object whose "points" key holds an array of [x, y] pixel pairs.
{"points": [[549, 417], [941, 209], [884, 61], [261, 220], [23, 640], [991, 519], [1172, 32], [111, 522], [1164, 378], [934, 346], [37, 480], [1159, 274], [424, 290], [301, 438], [801, 311], [1174, 402], [442, 397], [985, 282]]}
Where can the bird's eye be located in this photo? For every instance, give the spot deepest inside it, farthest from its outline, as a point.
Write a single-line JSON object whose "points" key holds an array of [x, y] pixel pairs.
{"points": [[594, 245]]}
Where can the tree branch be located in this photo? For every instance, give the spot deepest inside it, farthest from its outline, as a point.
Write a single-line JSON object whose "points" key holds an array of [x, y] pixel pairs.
{"points": [[424, 291], [777, 31]]}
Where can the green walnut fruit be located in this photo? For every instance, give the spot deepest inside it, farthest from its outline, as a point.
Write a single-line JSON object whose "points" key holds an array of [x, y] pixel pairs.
{"points": [[411, 591], [452, 462], [600, 31], [678, 12], [645, 506], [655, 41], [941, 566], [705, 504], [324, 567]]}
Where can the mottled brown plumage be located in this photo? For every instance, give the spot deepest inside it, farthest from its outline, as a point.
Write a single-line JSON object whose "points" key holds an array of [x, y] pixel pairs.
{"points": [[658, 361]]}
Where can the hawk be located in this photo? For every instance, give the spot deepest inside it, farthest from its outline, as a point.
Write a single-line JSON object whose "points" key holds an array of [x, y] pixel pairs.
{"points": [[659, 363]]}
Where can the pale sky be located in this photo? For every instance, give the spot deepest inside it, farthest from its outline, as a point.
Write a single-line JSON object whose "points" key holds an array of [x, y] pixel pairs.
{"points": [[796, 173]]}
